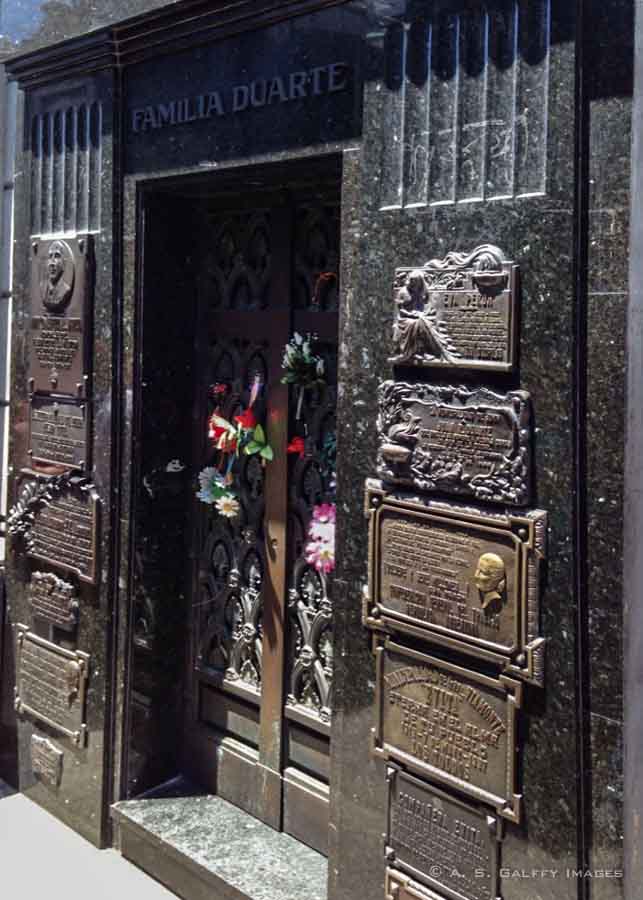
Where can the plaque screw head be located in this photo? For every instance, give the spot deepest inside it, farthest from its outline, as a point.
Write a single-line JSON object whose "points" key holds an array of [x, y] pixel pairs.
{"points": [[34, 246], [390, 854], [81, 245], [520, 659], [522, 533], [375, 612], [375, 501]]}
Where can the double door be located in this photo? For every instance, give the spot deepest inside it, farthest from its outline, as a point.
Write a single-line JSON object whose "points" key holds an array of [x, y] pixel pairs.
{"points": [[260, 666]]}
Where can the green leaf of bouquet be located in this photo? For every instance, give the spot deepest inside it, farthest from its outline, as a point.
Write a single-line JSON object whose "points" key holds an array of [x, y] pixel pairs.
{"points": [[252, 447], [267, 453], [259, 435]]}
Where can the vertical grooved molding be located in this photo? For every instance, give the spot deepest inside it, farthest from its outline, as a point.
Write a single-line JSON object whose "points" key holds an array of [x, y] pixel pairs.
{"points": [[66, 160], [465, 106]]}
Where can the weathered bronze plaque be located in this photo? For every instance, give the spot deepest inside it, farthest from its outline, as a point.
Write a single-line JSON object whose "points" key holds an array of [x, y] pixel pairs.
{"points": [[58, 432], [400, 887], [456, 440], [60, 305], [54, 600], [459, 577], [449, 724], [51, 684], [57, 518], [46, 761], [458, 311], [441, 841]]}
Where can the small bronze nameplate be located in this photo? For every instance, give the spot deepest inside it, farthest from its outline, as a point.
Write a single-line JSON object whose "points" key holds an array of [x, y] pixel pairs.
{"points": [[58, 432], [51, 684], [57, 518], [459, 311], [46, 761], [400, 887], [54, 600], [456, 440], [463, 578], [441, 841], [60, 305], [449, 724]]}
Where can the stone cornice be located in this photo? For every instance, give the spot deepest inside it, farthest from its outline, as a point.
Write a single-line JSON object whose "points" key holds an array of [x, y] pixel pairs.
{"points": [[179, 26]]}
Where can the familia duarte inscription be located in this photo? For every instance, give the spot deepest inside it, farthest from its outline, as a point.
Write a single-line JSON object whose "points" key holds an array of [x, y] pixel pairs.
{"points": [[276, 89], [60, 289], [448, 724], [459, 311], [458, 577], [456, 440], [58, 432]]}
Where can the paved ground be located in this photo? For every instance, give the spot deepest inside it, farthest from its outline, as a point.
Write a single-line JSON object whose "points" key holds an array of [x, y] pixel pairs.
{"points": [[42, 859]]}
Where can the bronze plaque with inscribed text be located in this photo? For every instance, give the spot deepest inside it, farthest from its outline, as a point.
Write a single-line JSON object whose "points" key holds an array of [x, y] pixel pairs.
{"points": [[458, 577], [60, 307], [441, 841], [46, 761], [459, 312], [400, 887], [51, 684], [57, 519], [59, 432], [54, 600], [449, 724], [456, 440]]}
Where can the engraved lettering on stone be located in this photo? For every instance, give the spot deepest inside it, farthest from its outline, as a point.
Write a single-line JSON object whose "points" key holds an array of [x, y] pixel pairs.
{"points": [[54, 599], [452, 724], [58, 432], [46, 761], [457, 311], [456, 440], [440, 840], [50, 683]]}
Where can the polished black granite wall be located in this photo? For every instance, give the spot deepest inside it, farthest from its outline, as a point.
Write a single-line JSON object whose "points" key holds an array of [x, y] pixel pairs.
{"points": [[511, 129]]}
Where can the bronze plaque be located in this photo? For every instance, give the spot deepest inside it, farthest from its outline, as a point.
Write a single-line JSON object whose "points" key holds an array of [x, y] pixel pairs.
{"points": [[400, 887], [54, 600], [449, 724], [456, 440], [459, 311], [46, 761], [441, 841], [463, 578], [58, 432], [60, 306], [57, 518], [51, 684]]}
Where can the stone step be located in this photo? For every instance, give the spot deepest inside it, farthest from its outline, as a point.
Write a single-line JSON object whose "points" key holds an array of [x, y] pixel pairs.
{"points": [[204, 848]]}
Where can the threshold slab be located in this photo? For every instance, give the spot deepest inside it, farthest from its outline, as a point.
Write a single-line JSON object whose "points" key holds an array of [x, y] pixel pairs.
{"points": [[204, 848]]}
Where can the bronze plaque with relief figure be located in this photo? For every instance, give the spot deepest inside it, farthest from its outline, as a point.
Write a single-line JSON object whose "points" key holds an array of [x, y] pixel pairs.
{"points": [[457, 576], [456, 440], [459, 311], [448, 724], [46, 761], [440, 840], [54, 600], [59, 329], [51, 684]]}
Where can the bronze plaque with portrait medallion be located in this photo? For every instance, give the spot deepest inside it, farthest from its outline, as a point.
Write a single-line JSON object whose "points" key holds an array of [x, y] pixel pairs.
{"points": [[459, 577], [59, 327]]}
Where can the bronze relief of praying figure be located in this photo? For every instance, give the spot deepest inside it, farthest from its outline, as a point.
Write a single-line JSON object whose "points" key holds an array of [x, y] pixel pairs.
{"points": [[417, 335]]}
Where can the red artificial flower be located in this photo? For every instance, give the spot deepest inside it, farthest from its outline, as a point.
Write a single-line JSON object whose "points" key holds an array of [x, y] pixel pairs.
{"points": [[247, 419], [297, 445], [218, 389], [214, 431]]}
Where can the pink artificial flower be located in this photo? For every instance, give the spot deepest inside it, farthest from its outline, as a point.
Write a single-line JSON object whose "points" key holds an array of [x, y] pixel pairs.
{"points": [[321, 555]]}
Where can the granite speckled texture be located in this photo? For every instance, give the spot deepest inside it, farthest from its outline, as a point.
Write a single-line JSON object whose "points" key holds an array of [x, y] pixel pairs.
{"points": [[240, 851]]}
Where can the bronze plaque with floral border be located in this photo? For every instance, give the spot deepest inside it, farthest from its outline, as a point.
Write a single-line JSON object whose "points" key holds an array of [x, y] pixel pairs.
{"points": [[448, 724], [459, 577]]}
